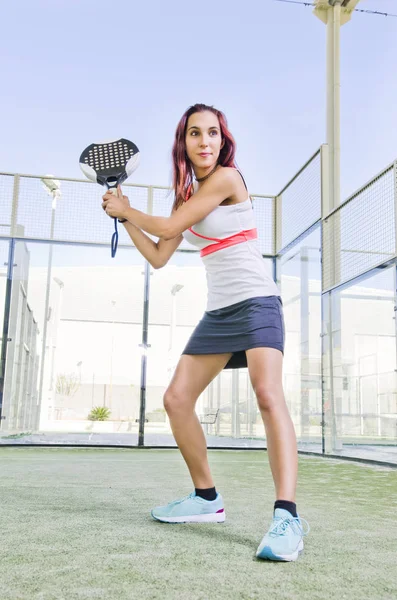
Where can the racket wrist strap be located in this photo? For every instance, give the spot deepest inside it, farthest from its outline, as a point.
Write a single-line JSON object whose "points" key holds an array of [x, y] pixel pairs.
{"points": [[122, 220]]}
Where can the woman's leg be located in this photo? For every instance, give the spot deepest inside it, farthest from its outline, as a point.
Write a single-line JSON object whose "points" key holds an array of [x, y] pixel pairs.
{"points": [[192, 375], [265, 370]]}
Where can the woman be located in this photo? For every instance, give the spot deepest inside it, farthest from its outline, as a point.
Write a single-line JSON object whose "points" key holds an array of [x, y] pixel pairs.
{"points": [[243, 325]]}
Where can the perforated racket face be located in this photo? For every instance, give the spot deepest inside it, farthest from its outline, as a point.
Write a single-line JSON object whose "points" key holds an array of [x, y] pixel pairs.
{"points": [[110, 163]]}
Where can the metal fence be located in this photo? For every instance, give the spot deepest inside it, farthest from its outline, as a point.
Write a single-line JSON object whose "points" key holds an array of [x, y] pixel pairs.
{"points": [[360, 234], [298, 204], [357, 236], [27, 211]]}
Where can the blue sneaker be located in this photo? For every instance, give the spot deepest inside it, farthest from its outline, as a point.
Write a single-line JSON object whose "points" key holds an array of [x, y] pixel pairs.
{"points": [[191, 509], [284, 540]]}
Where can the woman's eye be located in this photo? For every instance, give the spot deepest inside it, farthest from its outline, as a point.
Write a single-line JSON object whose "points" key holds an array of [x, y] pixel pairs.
{"points": [[213, 132]]}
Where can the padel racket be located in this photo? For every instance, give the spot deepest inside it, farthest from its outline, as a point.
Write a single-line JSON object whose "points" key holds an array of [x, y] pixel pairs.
{"points": [[110, 163]]}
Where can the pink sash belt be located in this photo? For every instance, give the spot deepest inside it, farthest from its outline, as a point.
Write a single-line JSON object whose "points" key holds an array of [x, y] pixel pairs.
{"points": [[237, 238]]}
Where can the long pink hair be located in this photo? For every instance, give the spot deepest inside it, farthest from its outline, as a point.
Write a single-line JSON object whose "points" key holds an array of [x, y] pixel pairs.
{"points": [[182, 168]]}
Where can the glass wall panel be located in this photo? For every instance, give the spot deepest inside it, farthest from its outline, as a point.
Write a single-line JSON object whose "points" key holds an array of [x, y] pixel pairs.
{"points": [[299, 278], [238, 422], [229, 411], [177, 301], [20, 392], [227, 408], [74, 365], [360, 353]]}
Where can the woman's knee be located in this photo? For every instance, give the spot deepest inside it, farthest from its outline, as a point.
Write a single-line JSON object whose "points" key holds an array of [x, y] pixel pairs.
{"points": [[269, 398], [175, 401]]}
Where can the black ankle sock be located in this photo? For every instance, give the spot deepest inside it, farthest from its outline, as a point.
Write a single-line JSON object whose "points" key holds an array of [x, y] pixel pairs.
{"points": [[287, 505], [207, 494]]}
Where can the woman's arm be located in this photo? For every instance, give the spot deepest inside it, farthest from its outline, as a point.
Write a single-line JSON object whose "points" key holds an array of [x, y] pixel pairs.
{"points": [[157, 254], [221, 185]]}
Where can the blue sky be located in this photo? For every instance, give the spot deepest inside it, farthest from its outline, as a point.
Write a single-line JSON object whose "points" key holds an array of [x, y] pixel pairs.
{"points": [[79, 71]]}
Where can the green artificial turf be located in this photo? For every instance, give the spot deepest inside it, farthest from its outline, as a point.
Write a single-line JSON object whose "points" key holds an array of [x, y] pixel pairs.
{"points": [[75, 524]]}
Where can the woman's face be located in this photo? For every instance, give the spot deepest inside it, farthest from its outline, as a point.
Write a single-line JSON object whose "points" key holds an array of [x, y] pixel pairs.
{"points": [[203, 140]]}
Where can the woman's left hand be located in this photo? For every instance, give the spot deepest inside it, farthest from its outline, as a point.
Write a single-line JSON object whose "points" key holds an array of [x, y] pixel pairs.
{"points": [[115, 205]]}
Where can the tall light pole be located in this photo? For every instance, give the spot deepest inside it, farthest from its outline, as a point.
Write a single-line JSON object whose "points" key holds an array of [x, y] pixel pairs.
{"points": [[113, 303], [174, 290], [53, 188], [334, 13]]}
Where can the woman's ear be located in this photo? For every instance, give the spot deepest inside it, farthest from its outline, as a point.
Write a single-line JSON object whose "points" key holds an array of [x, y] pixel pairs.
{"points": [[223, 143]]}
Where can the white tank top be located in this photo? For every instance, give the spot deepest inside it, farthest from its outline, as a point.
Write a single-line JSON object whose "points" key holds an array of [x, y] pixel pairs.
{"points": [[236, 272]]}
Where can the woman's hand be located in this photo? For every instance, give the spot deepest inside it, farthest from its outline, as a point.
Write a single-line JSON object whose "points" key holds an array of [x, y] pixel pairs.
{"points": [[115, 205]]}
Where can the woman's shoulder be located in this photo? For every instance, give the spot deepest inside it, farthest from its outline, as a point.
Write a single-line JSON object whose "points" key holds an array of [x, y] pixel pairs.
{"points": [[229, 172], [228, 175], [235, 177], [225, 180]]}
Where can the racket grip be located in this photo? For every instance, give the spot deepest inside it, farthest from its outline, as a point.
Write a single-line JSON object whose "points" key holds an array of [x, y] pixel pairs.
{"points": [[114, 191]]}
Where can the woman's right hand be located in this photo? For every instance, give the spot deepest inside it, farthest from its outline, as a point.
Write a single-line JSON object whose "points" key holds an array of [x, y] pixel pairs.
{"points": [[117, 201]]}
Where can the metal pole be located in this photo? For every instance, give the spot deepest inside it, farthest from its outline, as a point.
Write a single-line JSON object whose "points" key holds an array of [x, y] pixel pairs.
{"points": [[330, 108], [323, 383], [378, 406], [304, 342], [395, 322], [336, 102], [7, 300], [395, 269], [395, 205], [325, 342], [333, 100], [113, 303], [144, 347], [333, 140], [47, 301], [145, 331], [235, 404], [218, 403], [334, 16], [6, 322]]}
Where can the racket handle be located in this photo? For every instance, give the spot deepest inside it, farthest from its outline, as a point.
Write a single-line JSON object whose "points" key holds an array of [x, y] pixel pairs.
{"points": [[114, 191]]}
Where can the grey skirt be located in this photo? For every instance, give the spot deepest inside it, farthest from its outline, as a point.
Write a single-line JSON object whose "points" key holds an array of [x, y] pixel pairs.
{"points": [[253, 323]]}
